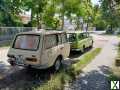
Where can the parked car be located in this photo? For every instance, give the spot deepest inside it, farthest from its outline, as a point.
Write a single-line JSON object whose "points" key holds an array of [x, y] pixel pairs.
{"points": [[39, 49], [79, 40]]}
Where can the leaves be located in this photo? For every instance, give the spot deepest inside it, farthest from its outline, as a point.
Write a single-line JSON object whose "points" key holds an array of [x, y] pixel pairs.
{"points": [[51, 13]]}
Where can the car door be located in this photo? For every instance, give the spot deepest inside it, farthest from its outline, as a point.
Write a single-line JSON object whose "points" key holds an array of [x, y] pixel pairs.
{"points": [[89, 39], [86, 39], [50, 50], [81, 40], [65, 46]]}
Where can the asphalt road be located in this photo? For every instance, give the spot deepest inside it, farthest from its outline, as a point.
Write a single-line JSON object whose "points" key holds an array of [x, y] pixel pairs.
{"points": [[18, 78]]}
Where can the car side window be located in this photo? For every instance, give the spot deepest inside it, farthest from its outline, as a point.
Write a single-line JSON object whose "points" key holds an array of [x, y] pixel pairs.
{"points": [[82, 36], [85, 35], [71, 37], [50, 41], [64, 38], [88, 34], [59, 39]]}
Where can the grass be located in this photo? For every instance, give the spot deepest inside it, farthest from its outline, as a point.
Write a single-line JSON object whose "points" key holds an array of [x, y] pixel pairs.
{"points": [[113, 77], [58, 80], [118, 35], [87, 58]]}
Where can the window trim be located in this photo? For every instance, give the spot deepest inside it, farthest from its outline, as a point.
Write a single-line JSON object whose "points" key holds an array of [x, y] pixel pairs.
{"points": [[26, 49], [84, 34], [54, 45], [68, 39], [64, 37]]}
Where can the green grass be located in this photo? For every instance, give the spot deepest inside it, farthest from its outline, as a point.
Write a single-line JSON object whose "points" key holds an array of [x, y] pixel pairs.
{"points": [[87, 58], [118, 35], [58, 80], [113, 77]]}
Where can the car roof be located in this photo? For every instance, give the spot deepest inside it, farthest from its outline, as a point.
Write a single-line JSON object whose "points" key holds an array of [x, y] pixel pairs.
{"points": [[42, 31], [71, 32]]}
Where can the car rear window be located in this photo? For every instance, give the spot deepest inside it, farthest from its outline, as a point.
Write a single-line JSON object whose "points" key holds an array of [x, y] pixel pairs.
{"points": [[27, 42]]}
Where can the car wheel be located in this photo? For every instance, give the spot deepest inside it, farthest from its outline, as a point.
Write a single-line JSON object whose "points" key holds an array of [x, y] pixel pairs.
{"points": [[84, 49], [57, 64], [91, 45], [12, 63]]}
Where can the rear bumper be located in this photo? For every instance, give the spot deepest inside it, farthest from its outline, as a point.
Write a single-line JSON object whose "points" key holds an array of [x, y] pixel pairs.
{"points": [[37, 66]]}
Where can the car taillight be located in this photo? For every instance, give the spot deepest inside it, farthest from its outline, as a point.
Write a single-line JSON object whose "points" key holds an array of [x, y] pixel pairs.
{"points": [[31, 59]]}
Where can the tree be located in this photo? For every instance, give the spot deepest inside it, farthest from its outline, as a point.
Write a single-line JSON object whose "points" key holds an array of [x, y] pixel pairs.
{"points": [[37, 8], [49, 19], [97, 19], [110, 13]]}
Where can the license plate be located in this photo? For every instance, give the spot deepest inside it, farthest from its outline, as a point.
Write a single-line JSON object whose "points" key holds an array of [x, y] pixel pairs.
{"points": [[19, 60]]}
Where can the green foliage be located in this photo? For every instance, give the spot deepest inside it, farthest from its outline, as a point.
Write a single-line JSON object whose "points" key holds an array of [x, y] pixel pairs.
{"points": [[110, 13], [98, 21], [44, 11], [10, 9], [85, 60], [49, 18]]}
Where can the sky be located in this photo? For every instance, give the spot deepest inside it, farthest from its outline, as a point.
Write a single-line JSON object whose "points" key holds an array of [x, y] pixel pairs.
{"points": [[95, 2]]}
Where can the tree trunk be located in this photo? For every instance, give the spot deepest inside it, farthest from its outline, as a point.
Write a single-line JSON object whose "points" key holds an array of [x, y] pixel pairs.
{"points": [[31, 18], [38, 21], [87, 27], [78, 24], [111, 27], [63, 11]]}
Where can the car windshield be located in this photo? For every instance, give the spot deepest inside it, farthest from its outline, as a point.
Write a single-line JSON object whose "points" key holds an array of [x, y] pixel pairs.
{"points": [[27, 42], [71, 37]]}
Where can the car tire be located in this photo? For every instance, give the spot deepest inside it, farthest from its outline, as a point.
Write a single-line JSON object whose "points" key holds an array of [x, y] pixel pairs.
{"points": [[12, 63], [91, 45], [57, 64], [84, 49]]}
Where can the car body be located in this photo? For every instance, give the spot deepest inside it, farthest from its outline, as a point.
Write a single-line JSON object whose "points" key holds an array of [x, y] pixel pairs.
{"points": [[79, 40], [39, 49]]}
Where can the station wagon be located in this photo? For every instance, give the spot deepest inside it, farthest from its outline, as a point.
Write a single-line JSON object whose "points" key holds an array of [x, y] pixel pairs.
{"points": [[39, 49], [79, 40]]}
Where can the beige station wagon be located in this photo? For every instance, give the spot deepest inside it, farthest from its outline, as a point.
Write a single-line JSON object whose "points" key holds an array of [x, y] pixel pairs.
{"points": [[39, 49]]}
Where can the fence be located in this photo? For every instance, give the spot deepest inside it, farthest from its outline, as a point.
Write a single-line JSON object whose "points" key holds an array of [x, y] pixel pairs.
{"points": [[7, 33]]}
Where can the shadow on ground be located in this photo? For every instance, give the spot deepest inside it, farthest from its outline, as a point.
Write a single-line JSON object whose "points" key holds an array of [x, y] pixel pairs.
{"points": [[77, 54], [24, 79], [94, 80]]}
